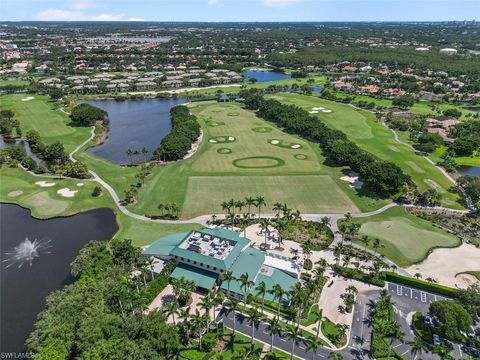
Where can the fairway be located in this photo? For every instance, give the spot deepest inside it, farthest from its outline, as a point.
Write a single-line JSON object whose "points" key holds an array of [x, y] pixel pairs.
{"points": [[406, 239], [249, 143], [366, 131], [39, 114], [309, 194]]}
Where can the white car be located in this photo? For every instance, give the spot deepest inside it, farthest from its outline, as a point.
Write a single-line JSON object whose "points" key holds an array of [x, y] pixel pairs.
{"points": [[436, 340]]}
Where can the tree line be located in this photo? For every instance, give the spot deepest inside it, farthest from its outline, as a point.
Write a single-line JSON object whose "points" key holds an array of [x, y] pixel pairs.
{"points": [[383, 178], [185, 130]]}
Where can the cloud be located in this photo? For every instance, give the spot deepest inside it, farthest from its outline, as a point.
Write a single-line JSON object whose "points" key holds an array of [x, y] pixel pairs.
{"points": [[212, 2], [136, 19], [71, 15], [281, 3], [83, 5]]}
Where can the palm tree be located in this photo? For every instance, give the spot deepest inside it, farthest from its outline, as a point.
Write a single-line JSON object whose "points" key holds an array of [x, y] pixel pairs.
{"points": [[394, 334], [245, 284], [365, 240], [129, 153], [253, 320], [274, 327], [239, 205], [313, 345], [199, 322], [318, 318], [417, 276], [144, 153], [232, 305], [206, 304], [351, 289], [443, 352], [228, 277], [277, 207], [264, 224], [259, 202], [225, 207], [417, 346], [293, 333], [261, 290], [184, 314], [161, 207], [171, 310], [250, 201], [278, 294]]}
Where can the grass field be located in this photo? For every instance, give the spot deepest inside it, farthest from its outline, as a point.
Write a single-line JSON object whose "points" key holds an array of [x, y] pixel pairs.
{"points": [[39, 114], [405, 239], [363, 128], [46, 203]]}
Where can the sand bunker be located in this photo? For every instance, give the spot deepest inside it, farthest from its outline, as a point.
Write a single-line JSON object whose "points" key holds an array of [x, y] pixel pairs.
{"points": [[80, 184], [313, 112], [295, 146], [274, 142], [315, 108], [231, 138], [66, 192], [463, 258], [353, 181], [15, 193], [327, 111], [28, 98], [212, 141], [45, 184]]}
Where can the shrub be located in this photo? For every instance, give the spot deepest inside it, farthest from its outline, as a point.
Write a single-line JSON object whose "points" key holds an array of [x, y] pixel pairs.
{"points": [[419, 284], [209, 341], [97, 191], [307, 264], [356, 274]]}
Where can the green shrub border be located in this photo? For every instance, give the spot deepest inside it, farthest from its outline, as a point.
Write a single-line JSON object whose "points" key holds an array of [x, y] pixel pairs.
{"points": [[356, 274], [419, 284], [279, 163]]}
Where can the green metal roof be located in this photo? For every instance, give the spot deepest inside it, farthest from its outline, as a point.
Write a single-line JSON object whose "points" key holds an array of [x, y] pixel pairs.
{"points": [[277, 277], [250, 261], [165, 245], [225, 264], [202, 278]]}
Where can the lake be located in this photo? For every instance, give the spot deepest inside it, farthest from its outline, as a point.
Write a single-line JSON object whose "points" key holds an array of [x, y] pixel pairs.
{"points": [[469, 170], [134, 124], [265, 75], [26, 146], [24, 289]]}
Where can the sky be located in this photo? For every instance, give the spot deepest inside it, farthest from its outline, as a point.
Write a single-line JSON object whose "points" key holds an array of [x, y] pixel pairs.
{"points": [[239, 10]]}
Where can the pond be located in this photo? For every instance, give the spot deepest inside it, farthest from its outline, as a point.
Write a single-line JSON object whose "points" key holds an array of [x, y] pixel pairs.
{"points": [[265, 75], [56, 242], [469, 170], [472, 108], [134, 124], [26, 146]]}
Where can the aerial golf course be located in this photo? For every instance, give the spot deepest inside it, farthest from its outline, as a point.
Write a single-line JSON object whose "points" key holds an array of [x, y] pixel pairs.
{"points": [[240, 155]]}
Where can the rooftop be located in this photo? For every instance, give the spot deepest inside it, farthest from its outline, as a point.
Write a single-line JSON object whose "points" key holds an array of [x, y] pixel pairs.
{"points": [[209, 245]]}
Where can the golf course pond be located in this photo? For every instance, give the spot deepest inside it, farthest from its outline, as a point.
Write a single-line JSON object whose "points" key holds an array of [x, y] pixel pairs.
{"points": [[469, 170], [265, 75], [36, 256], [134, 124]]}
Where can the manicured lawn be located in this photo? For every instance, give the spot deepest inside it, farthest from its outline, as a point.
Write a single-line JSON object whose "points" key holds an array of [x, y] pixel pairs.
{"points": [[331, 331], [363, 128], [14, 82], [39, 114], [406, 239], [299, 192], [45, 203]]}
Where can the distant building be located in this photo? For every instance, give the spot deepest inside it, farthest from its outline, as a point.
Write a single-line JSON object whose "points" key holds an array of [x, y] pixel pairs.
{"points": [[448, 51]]}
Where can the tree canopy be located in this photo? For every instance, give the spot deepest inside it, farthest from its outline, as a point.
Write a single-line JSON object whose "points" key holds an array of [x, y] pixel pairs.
{"points": [[87, 115]]}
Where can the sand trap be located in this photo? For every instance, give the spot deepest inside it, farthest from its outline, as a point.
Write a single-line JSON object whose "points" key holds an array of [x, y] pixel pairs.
{"points": [[274, 142], [212, 141], [45, 184], [352, 180], [80, 184], [28, 98], [15, 193], [327, 111], [295, 146], [231, 138], [444, 264], [66, 192], [313, 112]]}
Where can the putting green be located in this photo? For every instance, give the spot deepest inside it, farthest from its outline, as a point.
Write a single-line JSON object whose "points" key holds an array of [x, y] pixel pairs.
{"points": [[233, 113], [45, 204], [262, 129], [300, 156], [212, 123], [258, 162], [224, 151], [406, 238], [222, 139]]}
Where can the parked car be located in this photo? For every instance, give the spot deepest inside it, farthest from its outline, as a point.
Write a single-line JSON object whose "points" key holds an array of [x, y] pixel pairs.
{"points": [[427, 319], [436, 340]]}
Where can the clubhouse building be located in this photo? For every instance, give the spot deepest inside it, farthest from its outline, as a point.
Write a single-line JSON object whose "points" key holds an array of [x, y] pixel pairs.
{"points": [[204, 257]]}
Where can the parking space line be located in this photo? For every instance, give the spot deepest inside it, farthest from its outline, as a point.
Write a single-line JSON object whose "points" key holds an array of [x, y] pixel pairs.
{"points": [[423, 296], [399, 290]]}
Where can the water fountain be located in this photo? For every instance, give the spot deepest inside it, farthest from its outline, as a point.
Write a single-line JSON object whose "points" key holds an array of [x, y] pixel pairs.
{"points": [[26, 251]]}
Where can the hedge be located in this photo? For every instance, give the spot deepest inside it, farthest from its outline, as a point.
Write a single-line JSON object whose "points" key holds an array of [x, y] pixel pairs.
{"points": [[356, 274], [419, 284]]}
